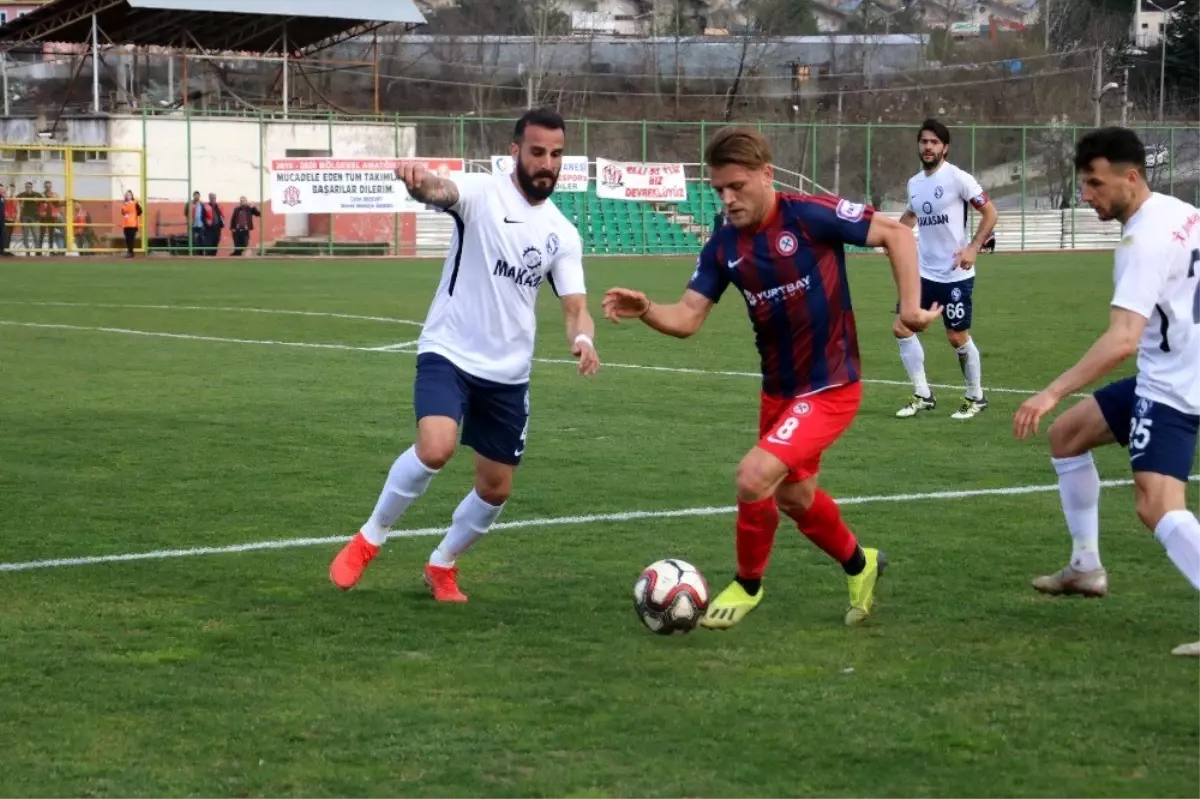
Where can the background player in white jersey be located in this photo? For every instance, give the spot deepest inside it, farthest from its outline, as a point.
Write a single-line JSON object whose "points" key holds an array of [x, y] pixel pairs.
{"points": [[938, 197], [1155, 313], [476, 348]]}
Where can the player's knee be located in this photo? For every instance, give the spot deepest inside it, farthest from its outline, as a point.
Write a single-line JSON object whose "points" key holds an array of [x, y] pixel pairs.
{"points": [[958, 338], [493, 491], [435, 451], [794, 499], [753, 482], [1064, 439]]}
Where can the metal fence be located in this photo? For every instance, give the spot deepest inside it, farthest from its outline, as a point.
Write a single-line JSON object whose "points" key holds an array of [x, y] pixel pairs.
{"points": [[1027, 170]]}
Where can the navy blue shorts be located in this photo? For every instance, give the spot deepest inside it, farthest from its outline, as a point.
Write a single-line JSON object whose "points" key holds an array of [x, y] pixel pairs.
{"points": [[494, 416], [955, 299], [1160, 438]]}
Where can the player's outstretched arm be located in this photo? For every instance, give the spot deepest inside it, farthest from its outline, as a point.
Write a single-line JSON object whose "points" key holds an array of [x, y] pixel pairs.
{"points": [[680, 319], [901, 248], [1119, 342], [426, 187], [581, 332]]}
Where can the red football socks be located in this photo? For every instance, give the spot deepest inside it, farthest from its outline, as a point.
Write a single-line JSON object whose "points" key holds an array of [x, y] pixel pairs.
{"points": [[822, 524], [756, 525]]}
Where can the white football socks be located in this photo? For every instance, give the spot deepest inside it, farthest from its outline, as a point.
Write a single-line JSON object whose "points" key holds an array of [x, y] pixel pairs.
{"points": [[972, 369], [1179, 533], [1079, 490], [407, 479], [912, 355], [471, 520]]}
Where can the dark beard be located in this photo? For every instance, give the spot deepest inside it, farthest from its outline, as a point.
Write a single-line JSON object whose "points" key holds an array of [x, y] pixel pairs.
{"points": [[532, 191]]}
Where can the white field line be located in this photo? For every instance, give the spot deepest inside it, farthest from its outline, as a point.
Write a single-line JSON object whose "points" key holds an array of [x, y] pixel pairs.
{"points": [[553, 521], [408, 347], [403, 346], [222, 309]]}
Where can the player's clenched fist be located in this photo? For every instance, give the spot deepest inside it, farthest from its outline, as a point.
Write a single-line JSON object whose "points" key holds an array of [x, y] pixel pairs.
{"points": [[413, 175], [621, 304]]}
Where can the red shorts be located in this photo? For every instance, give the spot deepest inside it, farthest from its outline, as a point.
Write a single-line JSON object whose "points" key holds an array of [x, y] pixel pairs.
{"points": [[798, 430]]}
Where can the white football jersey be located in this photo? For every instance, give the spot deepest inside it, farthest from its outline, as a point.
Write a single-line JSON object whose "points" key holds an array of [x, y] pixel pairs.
{"points": [[483, 317], [939, 202], [1157, 275]]}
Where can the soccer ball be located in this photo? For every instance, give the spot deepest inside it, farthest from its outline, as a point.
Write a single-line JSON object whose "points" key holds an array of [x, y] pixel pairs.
{"points": [[670, 596]]}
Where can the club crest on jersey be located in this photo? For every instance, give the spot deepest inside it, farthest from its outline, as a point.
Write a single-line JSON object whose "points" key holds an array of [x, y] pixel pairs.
{"points": [[956, 294], [937, 193], [927, 207], [531, 257], [552, 243], [801, 409], [851, 212], [787, 244]]}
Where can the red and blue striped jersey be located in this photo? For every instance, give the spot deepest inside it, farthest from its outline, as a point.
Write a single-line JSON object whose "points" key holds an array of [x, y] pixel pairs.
{"points": [[792, 273]]}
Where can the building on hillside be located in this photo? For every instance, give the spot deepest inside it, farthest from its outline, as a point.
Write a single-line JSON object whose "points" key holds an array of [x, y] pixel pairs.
{"points": [[1150, 22]]}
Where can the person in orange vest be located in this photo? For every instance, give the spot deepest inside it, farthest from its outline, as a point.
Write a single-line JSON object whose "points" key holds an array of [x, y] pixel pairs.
{"points": [[131, 214], [85, 237]]}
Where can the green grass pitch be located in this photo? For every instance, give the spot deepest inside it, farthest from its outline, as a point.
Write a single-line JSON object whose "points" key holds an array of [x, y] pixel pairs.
{"points": [[247, 673]]}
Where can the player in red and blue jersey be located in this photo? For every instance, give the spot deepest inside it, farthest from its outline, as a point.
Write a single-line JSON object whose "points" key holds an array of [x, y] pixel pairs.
{"points": [[786, 255]]}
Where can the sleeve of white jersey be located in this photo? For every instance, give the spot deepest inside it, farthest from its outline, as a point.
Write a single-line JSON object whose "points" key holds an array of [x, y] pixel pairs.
{"points": [[1143, 265], [970, 191], [566, 273], [908, 191], [471, 191]]}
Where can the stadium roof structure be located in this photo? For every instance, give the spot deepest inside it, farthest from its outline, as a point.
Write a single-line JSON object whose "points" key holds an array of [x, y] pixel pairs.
{"points": [[284, 27]]}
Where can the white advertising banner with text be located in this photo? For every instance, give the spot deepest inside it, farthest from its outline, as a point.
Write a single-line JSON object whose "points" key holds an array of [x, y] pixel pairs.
{"points": [[572, 177], [622, 180], [348, 185]]}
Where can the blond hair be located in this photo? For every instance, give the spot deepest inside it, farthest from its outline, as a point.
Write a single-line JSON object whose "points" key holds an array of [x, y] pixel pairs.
{"points": [[745, 147]]}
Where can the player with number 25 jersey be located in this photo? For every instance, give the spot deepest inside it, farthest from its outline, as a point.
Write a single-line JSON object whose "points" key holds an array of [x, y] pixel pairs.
{"points": [[1155, 314]]}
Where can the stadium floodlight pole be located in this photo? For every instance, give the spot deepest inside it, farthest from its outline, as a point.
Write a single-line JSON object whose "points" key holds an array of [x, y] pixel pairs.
{"points": [[95, 66], [285, 71], [1162, 48], [4, 79]]}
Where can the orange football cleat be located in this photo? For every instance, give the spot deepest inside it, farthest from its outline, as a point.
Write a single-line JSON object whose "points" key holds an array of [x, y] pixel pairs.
{"points": [[348, 567], [443, 582]]}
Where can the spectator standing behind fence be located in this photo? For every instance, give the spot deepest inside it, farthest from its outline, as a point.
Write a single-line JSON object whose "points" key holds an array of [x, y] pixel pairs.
{"points": [[199, 215], [51, 217], [131, 215], [241, 222], [10, 218], [28, 214], [216, 224], [85, 237]]}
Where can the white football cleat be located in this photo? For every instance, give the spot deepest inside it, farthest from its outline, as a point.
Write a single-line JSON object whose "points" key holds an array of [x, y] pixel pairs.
{"points": [[916, 405], [1187, 650], [1071, 582]]}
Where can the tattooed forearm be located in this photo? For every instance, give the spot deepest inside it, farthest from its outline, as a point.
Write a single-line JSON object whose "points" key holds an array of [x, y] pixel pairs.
{"points": [[436, 191]]}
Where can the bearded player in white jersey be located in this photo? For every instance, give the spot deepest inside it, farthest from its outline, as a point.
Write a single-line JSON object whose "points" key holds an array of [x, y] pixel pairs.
{"points": [[938, 197], [1155, 313], [476, 348]]}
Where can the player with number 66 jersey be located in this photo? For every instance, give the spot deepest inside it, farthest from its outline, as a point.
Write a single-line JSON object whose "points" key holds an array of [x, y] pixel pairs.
{"points": [[1155, 314]]}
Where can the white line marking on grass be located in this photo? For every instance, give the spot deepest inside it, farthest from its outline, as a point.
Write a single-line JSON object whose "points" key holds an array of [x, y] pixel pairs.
{"points": [[403, 346], [222, 309], [184, 336], [407, 347], [553, 521]]}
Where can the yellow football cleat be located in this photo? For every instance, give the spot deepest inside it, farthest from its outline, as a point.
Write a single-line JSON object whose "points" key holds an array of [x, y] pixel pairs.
{"points": [[862, 586], [730, 607]]}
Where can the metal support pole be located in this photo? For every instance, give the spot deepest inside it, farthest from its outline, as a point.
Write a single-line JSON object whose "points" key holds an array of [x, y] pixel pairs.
{"points": [[95, 66], [4, 76], [285, 71], [1097, 99], [837, 150]]}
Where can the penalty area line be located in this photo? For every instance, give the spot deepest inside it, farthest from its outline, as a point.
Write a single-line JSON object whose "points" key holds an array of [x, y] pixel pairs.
{"points": [[524, 524]]}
